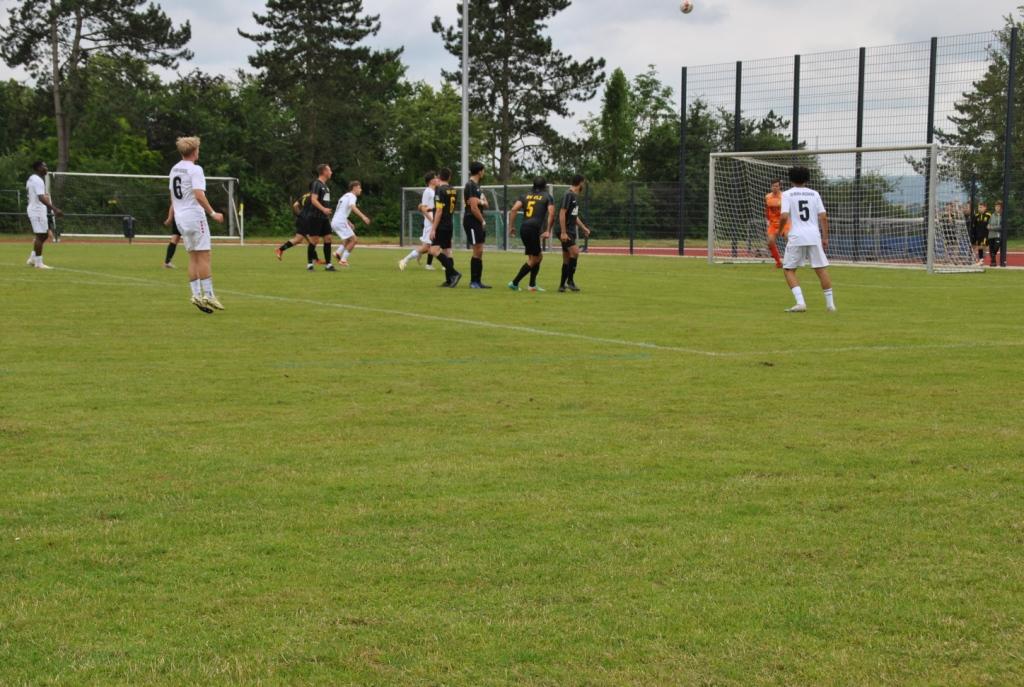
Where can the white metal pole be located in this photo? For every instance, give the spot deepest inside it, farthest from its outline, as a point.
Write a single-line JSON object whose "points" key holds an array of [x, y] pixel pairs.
{"points": [[933, 203], [711, 211], [465, 92]]}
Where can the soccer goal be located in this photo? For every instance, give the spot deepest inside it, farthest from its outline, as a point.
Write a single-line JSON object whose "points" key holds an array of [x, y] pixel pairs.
{"points": [[500, 200], [887, 206], [109, 205]]}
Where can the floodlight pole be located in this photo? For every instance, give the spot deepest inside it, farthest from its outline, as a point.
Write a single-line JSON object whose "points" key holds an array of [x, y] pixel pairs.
{"points": [[465, 92]]}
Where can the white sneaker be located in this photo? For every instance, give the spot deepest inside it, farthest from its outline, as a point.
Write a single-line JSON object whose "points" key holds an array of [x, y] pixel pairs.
{"points": [[429, 267], [402, 264], [797, 308], [31, 262], [41, 266], [831, 308]]}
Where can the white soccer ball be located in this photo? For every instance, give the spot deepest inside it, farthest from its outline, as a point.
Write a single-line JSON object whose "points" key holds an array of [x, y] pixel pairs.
{"points": [[686, 6]]}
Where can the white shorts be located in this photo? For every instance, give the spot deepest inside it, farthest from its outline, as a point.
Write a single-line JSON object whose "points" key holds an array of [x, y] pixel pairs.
{"points": [[195, 233], [345, 232], [39, 224], [425, 236], [798, 256]]}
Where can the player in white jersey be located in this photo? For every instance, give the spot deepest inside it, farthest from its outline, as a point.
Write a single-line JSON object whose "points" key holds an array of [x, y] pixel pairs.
{"points": [[190, 208], [426, 208], [38, 203], [804, 212], [341, 224]]}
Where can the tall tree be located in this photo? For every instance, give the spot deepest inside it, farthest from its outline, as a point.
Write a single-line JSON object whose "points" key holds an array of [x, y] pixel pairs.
{"points": [[979, 126], [518, 81], [616, 128], [310, 59], [54, 41]]}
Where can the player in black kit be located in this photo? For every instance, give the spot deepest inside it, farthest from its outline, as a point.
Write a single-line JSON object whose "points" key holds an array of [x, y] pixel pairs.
{"points": [[473, 223], [568, 221], [538, 215], [445, 198]]}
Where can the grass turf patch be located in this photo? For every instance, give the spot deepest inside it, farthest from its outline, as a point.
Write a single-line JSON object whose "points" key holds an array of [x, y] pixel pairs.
{"points": [[359, 478]]}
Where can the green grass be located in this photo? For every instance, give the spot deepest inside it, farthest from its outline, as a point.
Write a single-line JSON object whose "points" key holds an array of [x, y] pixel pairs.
{"points": [[296, 491]]}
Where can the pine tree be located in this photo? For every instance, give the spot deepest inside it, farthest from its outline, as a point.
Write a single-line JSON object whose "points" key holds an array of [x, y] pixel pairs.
{"points": [[54, 41], [518, 81], [310, 59]]}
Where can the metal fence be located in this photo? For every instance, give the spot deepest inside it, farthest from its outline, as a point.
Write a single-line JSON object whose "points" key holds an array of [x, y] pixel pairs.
{"points": [[883, 96]]}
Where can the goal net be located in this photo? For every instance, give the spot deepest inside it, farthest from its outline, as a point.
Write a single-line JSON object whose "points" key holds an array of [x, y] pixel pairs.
{"points": [[500, 200], [893, 207], [105, 205]]}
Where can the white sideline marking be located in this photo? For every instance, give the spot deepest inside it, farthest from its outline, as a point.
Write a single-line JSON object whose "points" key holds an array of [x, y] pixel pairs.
{"points": [[881, 348]]}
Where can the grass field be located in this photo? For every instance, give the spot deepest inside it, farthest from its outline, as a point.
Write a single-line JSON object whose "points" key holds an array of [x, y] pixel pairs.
{"points": [[663, 480]]}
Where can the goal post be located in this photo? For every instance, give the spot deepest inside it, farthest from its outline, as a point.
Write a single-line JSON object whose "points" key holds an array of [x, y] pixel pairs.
{"points": [[500, 199], [106, 205], [899, 206]]}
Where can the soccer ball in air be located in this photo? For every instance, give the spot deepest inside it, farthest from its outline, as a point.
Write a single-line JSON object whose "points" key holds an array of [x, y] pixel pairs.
{"points": [[686, 6]]}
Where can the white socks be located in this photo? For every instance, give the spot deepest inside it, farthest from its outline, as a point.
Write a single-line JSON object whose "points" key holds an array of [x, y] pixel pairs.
{"points": [[207, 285], [412, 256], [344, 256], [830, 301], [196, 288], [798, 294]]}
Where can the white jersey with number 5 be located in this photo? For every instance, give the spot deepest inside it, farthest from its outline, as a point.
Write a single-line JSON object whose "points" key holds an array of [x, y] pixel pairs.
{"points": [[803, 205], [186, 178]]}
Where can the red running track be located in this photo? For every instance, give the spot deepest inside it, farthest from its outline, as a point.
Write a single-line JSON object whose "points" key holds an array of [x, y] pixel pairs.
{"points": [[1013, 259]]}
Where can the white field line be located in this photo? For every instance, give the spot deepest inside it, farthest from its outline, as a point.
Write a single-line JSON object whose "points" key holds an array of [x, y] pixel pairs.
{"points": [[880, 348]]}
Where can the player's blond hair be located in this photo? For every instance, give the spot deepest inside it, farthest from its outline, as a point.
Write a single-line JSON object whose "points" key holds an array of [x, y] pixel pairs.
{"points": [[187, 145]]}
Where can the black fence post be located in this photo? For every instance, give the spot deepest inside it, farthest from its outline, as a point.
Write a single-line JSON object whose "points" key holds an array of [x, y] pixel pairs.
{"points": [[930, 131], [1008, 146], [682, 164], [796, 102], [632, 215], [586, 216], [858, 201], [737, 114], [504, 214]]}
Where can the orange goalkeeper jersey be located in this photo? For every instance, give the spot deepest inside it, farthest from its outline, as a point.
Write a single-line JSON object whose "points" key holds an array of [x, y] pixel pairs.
{"points": [[773, 213]]}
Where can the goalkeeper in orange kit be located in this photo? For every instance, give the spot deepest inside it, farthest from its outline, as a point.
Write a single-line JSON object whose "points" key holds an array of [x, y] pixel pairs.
{"points": [[773, 214]]}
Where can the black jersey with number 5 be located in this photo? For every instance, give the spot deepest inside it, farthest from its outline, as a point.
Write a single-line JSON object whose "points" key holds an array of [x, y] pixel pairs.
{"points": [[535, 208], [445, 199]]}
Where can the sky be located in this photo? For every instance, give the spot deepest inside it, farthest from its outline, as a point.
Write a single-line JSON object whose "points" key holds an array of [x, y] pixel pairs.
{"points": [[628, 34]]}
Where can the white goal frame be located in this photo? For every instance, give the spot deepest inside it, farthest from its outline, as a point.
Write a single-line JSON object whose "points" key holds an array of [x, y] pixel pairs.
{"points": [[930, 151], [234, 218]]}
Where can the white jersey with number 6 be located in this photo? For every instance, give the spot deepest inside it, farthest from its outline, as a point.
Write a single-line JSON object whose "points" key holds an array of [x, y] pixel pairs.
{"points": [[803, 205], [186, 178]]}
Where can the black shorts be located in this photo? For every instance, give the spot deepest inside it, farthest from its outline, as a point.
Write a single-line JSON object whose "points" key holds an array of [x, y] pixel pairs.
{"points": [[978, 237], [319, 225], [566, 245], [531, 239], [442, 239], [174, 229], [475, 232]]}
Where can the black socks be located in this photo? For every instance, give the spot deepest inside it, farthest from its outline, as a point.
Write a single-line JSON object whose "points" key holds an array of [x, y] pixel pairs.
{"points": [[523, 271], [311, 254], [327, 253], [171, 247], [476, 270]]}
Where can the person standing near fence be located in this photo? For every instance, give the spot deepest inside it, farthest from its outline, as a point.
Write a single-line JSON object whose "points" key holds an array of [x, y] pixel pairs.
{"points": [[38, 204], [980, 234], [568, 222], [191, 207], [473, 223], [995, 236]]}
